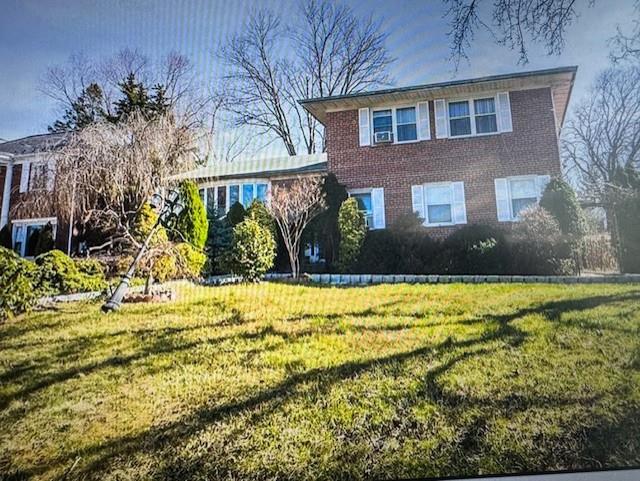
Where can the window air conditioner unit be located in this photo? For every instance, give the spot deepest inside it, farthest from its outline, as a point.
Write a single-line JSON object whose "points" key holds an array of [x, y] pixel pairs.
{"points": [[382, 137]]}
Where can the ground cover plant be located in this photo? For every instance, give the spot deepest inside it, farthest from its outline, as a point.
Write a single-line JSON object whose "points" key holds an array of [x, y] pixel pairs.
{"points": [[278, 381]]}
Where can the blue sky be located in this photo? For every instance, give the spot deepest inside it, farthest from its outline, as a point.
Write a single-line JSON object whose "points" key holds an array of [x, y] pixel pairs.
{"points": [[36, 34]]}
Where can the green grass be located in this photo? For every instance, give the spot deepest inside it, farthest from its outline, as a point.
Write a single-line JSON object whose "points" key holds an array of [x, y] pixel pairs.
{"points": [[276, 381]]}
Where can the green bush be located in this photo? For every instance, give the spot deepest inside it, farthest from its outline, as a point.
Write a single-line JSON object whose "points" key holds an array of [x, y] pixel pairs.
{"points": [[258, 212], [190, 261], [218, 243], [352, 229], [475, 249], [57, 273], [144, 222], [560, 200], [252, 250], [192, 224], [17, 291], [164, 268], [236, 214], [90, 267], [5, 237], [538, 246], [45, 241], [628, 221]]}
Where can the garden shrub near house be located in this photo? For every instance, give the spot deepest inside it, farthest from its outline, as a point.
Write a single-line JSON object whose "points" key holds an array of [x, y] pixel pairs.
{"points": [[560, 200], [352, 228], [17, 292], [192, 225], [44, 242], [218, 243], [252, 250], [258, 212], [236, 214], [475, 249], [628, 219], [57, 273], [190, 261]]}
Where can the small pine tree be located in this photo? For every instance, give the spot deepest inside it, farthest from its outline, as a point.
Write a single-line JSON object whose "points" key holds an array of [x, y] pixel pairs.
{"points": [[560, 200], [352, 232], [252, 251], [236, 213], [192, 224], [218, 243], [45, 241], [5, 237], [258, 212]]}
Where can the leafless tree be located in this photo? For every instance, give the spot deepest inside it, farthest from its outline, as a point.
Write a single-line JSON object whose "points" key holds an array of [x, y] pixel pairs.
{"points": [[603, 134], [627, 46], [511, 23], [328, 51], [106, 172], [294, 207]]}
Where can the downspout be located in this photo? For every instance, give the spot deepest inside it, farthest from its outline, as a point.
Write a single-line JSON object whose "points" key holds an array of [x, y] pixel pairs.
{"points": [[6, 192]]}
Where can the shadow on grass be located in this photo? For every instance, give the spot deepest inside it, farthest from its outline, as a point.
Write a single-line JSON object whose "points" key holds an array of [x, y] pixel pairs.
{"points": [[322, 379]]}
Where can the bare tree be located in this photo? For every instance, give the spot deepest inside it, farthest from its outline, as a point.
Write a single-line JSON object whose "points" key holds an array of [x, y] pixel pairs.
{"points": [[294, 207], [627, 46], [328, 51], [603, 135], [106, 172], [510, 22]]}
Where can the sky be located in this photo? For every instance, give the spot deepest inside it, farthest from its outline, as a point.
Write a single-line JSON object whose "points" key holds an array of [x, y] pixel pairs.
{"points": [[37, 34]]}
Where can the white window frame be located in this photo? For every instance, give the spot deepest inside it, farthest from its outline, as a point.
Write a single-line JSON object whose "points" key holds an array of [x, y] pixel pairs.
{"points": [[353, 193], [426, 205], [25, 224], [531, 177], [227, 185], [394, 124], [472, 115]]}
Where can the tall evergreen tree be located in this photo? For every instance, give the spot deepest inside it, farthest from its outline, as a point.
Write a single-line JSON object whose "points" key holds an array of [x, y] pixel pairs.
{"points": [[86, 109]]}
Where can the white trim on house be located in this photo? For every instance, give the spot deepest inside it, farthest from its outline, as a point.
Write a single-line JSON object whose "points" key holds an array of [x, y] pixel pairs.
{"points": [[458, 208], [424, 128], [227, 185], [6, 194], [502, 119]]}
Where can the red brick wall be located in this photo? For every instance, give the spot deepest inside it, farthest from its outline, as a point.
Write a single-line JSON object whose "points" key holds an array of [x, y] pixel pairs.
{"points": [[532, 148]]}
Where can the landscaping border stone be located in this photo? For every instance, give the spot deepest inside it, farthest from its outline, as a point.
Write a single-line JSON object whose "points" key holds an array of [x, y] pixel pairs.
{"points": [[359, 279]]}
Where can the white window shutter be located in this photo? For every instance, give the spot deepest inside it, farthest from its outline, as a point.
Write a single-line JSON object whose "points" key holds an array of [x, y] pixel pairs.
{"points": [[503, 204], [24, 176], [541, 184], [417, 201], [442, 130], [365, 129], [459, 206], [504, 112], [51, 174], [424, 129], [377, 199]]}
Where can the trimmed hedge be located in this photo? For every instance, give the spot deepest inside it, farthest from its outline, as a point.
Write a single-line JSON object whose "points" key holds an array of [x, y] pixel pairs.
{"points": [[57, 273], [17, 292]]}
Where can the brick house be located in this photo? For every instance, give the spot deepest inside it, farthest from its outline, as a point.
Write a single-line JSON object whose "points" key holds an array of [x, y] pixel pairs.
{"points": [[468, 151], [460, 152]]}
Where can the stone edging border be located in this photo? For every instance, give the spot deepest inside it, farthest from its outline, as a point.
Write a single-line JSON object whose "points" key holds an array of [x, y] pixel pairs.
{"points": [[366, 279]]}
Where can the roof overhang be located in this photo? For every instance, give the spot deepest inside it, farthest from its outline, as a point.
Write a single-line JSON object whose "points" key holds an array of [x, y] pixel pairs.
{"points": [[560, 80]]}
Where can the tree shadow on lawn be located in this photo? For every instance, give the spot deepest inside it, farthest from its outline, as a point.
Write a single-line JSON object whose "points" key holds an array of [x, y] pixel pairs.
{"points": [[261, 404]]}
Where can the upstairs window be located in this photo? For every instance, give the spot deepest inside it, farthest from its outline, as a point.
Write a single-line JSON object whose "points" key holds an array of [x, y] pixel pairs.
{"points": [[485, 115], [459, 118], [382, 121], [406, 124]]}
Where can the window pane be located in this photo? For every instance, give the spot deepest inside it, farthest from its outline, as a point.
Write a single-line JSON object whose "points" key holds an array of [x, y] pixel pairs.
{"points": [[33, 234], [382, 121], [407, 132], [211, 205], [439, 214], [460, 126], [484, 106], [364, 202], [262, 192], [247, 194], [234, 194], [222, 199], [459, 109], [406, 115], [486, 124], [440, 194], [201, 192], [518, 205], [523, 188]]}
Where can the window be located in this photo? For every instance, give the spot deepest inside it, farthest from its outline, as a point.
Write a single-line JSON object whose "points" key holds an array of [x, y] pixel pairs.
{"points": [[523, 193], [459, 118], [222, 199], [406, 124], [234, 194], [27, 232], [485, 115], [473, 117], [438, 200], [261, 192], [366, 207], [247, 195], [39, 174], [382, 121], [211, 202]]}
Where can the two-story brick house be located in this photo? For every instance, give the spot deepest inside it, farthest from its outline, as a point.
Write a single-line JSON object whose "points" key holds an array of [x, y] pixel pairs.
{"points": [[468, 151]]}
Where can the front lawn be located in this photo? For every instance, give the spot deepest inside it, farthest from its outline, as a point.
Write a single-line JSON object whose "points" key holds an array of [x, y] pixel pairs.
{"points": [[276, 381]]}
